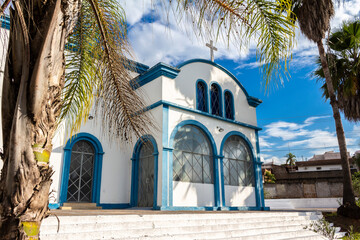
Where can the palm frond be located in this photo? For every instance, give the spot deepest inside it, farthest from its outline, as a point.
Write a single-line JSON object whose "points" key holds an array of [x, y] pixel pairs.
{"points": [[99, 72], [270, 23]]}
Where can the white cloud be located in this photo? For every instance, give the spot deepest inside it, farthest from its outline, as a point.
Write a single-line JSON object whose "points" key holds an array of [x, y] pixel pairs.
{"points": [[264, 143]]}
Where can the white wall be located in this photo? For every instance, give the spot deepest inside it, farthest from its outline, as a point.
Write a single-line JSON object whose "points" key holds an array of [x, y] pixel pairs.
{"points": [[323, 168], [240, 196], [4, 39], [182, 89], [116, 168], [186, 194]]}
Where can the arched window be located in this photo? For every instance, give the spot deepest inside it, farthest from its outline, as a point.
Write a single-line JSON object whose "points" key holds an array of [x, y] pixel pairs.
{"points": [[201, 96], [81, 172], [215, 100], [193, 156], [229, 105], [237, 163]]}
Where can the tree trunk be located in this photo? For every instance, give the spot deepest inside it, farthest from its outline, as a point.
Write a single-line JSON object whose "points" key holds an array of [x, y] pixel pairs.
{"points": [[31, 103], [348, 192]]}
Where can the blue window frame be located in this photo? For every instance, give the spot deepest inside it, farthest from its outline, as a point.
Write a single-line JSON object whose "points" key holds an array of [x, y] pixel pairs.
{"points": [[201, 96], [215, 100], [229, 105]]}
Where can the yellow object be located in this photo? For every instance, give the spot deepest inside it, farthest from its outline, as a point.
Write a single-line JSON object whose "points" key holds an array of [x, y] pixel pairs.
{"points": [[31, 229], [41, 155]]}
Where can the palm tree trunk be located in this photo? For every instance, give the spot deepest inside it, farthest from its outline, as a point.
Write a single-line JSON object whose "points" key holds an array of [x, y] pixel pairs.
{"points": [[348, 192], [31, 103]]}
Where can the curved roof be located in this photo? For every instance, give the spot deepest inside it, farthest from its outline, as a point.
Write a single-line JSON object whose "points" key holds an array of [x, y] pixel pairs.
{"points": [[251, 100]]}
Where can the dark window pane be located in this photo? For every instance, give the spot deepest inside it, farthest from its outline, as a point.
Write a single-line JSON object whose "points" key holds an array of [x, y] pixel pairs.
{"points": [[229, 106], [201, 97], [215, 100]]}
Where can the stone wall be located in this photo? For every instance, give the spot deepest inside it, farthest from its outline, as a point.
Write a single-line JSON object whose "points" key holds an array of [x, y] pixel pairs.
{"points": [[322, 184]]}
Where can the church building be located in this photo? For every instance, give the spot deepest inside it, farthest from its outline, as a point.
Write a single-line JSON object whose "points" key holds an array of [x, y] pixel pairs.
{"points": [[204, 155]]}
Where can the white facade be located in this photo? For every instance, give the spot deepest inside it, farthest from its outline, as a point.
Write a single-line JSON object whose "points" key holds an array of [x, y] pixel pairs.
{"points": [[319, 168], [118, 169]]}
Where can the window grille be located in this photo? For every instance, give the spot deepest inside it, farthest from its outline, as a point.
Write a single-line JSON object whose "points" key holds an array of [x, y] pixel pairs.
{"points": [[215, 100], [192, 156], [229, 106], [81, 172], [237, 163], [201, 97]]}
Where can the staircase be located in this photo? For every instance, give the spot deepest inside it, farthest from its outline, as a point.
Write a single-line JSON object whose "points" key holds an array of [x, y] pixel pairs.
{"points": [[181, 226]]}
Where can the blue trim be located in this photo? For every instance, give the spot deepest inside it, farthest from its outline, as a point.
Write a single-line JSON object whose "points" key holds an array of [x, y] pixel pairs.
{"points": [[135, 169], [54, 205], [166, 103], [252, 101], [95, 198], [206, 95], [236, 133], [138, 67], [166, 152], [220, 99], [114, 205], [160, 69], [258, 173], [213, 208], [232, 104], [214, 150], [5, 22]]}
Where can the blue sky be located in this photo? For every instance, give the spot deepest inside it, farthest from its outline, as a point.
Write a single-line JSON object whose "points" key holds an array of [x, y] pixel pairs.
{"points": [[294, 116]]}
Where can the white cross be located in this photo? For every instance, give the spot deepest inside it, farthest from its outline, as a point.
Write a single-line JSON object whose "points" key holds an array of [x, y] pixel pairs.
{"points": [[212, 49]]}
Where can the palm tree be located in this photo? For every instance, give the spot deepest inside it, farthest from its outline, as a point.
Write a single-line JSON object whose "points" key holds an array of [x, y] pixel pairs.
{"points": [[37, 95], [314, 21], [291, 159], [344, 65]]}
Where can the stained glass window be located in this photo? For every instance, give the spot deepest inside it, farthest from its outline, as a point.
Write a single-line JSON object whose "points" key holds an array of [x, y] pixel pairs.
{"points": [[237, 163], [192, 156], [215, 100], [201, 97], [229, 106]]}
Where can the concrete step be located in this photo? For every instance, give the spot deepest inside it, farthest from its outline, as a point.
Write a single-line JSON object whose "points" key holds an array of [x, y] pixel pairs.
{"points": [[195, 232], [72, 206], [174, 217], [149, 228], [242, 225]]}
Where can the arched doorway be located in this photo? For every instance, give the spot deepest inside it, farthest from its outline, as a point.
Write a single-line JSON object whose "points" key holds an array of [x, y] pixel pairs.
{"points": [[81, 172], [82, 167], [144, 173]]}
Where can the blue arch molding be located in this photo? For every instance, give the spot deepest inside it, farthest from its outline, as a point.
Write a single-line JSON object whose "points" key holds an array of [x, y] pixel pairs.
{"points": [[135, 169], [259, 193], [170, 165], [95, 198], [252, 101]]}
